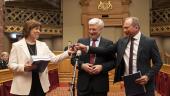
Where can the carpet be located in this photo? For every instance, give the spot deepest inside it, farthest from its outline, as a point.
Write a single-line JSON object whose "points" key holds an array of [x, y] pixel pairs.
{"points": [[63, 90]]}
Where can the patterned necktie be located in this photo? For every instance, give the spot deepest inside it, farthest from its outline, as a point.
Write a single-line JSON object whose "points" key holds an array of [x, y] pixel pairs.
{"points": [[92, 56], [131, 56]]}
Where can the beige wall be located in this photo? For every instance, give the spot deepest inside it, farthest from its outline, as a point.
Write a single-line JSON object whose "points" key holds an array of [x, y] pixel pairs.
{"points": [[72, 28], [140, 9]]}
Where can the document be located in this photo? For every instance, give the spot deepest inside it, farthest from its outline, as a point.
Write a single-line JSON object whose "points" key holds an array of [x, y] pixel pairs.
{"points": [[131, 87], [41, 62]]}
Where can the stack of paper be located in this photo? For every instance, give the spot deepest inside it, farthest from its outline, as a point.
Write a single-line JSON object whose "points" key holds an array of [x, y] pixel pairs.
{"points": [[41, 62]]}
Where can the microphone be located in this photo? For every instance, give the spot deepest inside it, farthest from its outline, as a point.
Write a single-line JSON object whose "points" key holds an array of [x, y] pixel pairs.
{"points": [[78, 53]]}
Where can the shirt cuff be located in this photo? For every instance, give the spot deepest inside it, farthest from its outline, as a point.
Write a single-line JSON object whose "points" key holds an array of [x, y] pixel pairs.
{"points": [[87, 49]]}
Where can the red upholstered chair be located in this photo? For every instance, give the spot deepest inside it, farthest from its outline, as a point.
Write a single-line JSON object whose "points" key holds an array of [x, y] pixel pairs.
{"points": [[6, 88], [158, 82], [53, 78], [165, 85], [2, 91], [161, 84]]}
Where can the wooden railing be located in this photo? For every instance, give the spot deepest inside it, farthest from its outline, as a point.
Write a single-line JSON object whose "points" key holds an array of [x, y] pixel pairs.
{"points": [[7, 75], [166, 68], [163, 80]]}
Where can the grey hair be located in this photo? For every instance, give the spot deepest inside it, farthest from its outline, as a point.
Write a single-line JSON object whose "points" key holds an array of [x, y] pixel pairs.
{"points": [[96, 21], [135, 21]]}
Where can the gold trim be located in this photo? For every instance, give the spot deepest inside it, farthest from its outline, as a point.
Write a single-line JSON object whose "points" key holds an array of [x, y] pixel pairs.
{"points": [[104, 5]]}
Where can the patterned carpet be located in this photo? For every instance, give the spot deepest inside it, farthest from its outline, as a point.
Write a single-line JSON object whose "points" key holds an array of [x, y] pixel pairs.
{"points": [[63, 90]]}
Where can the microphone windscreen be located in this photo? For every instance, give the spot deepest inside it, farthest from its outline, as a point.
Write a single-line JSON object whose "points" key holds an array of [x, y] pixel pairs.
{"points": [[78, 53]]}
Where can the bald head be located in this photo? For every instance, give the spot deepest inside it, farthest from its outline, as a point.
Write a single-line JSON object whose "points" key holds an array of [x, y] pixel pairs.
{"points": [[131, 26], [134, 21]]}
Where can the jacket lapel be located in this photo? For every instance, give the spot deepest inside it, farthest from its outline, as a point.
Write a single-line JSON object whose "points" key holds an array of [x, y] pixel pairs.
{"points": [[140, 47], [123, 46], [23, 45], [101, 42]]}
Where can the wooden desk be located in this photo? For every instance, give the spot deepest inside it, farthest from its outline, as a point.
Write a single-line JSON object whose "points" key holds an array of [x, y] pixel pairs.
{"points": [[5, 75]]}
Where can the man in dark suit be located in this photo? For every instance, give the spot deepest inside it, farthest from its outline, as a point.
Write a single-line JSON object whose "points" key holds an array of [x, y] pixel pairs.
{"points": [[130, 61], [93, 68], [144, 51]]}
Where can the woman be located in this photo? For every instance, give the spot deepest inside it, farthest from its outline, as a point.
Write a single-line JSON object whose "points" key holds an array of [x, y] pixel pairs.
{"points": [[27, 81], [4, 60]]}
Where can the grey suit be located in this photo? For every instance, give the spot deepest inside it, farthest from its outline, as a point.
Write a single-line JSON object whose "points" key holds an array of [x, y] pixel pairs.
{"points": [[147, 51]]}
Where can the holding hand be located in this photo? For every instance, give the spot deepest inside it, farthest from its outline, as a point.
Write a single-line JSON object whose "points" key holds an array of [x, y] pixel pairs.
{"points": [[71, 50], [87, 67], [92, 69], [97, 69], [142, 80], [29, 67], [75, 47]]}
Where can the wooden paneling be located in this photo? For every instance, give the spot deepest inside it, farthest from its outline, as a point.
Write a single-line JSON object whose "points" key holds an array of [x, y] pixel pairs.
{"points": [[1, 24], [7, 75], [65, 71]]}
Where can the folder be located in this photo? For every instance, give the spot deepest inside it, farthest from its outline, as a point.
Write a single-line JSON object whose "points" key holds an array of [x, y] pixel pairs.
{"points": [[131, 87], [40, 62]]}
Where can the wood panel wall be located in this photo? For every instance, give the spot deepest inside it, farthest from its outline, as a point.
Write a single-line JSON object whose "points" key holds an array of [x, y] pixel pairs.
{"points": [[1, 25]]}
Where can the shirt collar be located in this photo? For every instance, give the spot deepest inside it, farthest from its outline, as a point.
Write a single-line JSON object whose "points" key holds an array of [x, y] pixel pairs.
{"points": [[98, 39], [137, 36]]}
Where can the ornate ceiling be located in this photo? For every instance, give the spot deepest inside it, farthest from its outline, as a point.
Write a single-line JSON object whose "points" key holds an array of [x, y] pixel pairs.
{"points": [[157, 4], [44, 4]]}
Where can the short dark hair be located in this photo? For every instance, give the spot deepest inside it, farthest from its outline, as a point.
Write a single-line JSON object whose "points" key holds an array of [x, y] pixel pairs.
{"points": [[29, 25]]}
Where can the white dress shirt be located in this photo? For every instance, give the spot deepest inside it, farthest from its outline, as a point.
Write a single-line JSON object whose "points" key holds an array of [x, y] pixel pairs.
{"points": [[127, 54], [96, 43]]}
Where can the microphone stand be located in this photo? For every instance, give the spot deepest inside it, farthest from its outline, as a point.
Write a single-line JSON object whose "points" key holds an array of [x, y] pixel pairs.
{"points": [[72, 85]]}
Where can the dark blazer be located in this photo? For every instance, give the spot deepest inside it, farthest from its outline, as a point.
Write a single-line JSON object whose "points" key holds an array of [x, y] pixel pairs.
{"points": [[147, 51], [100, 82], [3, 64]]}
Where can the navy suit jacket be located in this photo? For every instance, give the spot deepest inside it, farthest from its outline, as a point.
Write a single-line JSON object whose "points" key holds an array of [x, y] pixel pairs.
{"points": [[147, 51], [99, 82]]}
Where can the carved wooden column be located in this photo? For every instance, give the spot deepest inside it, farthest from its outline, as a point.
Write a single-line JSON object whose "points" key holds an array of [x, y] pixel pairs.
{"points": [[1, 24], [111, 11]]}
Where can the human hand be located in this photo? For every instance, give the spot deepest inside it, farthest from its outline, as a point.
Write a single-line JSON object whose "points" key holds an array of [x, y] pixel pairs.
{"points": [[142, 80], [87, 67], [81, 47], [29, 67], [97, 69], [71, 50]]}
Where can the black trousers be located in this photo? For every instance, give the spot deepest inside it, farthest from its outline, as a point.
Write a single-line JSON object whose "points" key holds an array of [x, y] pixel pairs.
{"points": [[90, 92], [148, 93], [36, 88]]}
